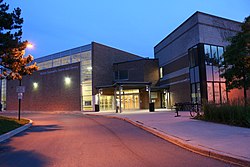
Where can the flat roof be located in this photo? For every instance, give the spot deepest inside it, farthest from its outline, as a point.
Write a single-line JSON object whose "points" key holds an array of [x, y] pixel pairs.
{"points": [[68, 52], [196, 13]]}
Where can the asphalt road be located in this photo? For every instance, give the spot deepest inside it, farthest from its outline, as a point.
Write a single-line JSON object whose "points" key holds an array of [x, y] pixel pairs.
{"points": [[93, 141]]}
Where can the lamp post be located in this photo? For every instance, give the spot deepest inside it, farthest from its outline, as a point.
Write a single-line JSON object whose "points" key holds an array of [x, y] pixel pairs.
{"points": [[19, 100], [21, 89]]}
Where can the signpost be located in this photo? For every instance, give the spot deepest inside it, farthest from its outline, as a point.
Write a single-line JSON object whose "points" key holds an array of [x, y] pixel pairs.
{"points": [[20, 90]]}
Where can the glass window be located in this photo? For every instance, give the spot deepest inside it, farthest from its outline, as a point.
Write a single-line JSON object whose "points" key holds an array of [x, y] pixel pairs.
{"points": [[161, 72], [216, 73], [198, 94], [209, 73], [76, 58], [214, 52], [220, 54], [222, 79], [197, 74], [56, 62], [65, 60], [123, 74], [223, 92], [87, 103], [193, 93], [210, 95], [217, 93], [192, 77], [207, 51]]}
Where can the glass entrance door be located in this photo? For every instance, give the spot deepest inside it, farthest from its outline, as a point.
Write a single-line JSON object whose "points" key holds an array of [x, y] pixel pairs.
{"points": [[130, 102]]}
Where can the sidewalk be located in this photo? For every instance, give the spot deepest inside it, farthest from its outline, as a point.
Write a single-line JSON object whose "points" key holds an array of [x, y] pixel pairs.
{"points": [[224, 142]]}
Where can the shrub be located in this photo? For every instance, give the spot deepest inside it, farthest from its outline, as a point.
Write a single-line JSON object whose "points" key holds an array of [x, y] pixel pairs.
{"points": [[231, 114]]}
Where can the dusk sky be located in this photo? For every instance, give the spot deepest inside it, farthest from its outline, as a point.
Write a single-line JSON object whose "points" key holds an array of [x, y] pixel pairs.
{"points": [[134, 26]]}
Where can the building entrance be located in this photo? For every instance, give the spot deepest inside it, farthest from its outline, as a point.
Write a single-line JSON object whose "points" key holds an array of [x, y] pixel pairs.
{"points": [[129, 99], [166, 101], [106, 102], [130, 102]]}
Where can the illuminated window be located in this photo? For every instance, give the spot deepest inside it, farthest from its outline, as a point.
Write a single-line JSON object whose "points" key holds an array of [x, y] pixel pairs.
{"points": [[89, 68], [161, 72], [65, 60]]}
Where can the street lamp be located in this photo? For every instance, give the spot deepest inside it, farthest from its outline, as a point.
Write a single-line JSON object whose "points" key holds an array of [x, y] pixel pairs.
{"points": [[30, 46], [21, 89]]}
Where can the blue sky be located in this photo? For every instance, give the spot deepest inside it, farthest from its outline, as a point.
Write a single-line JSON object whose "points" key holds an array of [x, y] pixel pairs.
{"points": [[135, 26]]}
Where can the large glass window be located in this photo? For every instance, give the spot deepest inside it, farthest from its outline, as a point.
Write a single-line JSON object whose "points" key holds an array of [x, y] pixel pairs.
{"points": [[194, 74], [220, 54], [216, 73], [76, 58], [209, 72], [216, 91], [65, 60], [57, 62], [210, 92], [86, 81]]}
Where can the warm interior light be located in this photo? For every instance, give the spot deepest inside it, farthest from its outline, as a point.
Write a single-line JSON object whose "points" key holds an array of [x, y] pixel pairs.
{"points": [[67, 80], [89, 68], [35, 85]]}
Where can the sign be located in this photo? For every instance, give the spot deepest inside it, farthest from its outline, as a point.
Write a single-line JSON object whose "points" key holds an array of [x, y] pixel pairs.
{"points": [[20, 89], [20, 96]]}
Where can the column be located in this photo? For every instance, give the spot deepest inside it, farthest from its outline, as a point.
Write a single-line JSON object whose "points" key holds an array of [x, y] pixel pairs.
{"points": [[120, 98]]}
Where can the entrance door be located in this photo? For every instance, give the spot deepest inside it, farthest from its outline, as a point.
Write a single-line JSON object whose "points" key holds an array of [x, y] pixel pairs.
{"points": [[166, 101], [130, 102]]}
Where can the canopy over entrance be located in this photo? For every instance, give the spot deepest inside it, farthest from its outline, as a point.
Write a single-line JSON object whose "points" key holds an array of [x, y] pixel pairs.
{"points": [[125, 94]]}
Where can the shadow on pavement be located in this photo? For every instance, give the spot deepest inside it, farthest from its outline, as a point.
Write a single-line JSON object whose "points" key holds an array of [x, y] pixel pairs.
{"points": [[40, 129], [10, 157], [44, 128]]}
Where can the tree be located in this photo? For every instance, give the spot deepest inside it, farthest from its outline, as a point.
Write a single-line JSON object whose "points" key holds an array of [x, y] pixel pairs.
{"points": [[236, 63], [12, 50]]}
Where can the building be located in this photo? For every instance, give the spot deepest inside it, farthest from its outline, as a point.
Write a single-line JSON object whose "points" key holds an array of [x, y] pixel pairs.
{"points": [[189, 58], [97, 77], [67, 81]]}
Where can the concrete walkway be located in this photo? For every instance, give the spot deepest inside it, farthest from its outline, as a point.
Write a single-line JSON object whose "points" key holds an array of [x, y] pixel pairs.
{"points": [[224, 142]]}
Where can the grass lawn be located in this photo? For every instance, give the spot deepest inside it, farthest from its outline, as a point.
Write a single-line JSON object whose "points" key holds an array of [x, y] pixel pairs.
{"points": [[8, 124]]}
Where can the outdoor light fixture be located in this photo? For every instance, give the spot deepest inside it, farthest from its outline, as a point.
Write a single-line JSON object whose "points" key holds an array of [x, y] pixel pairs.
{"points": [[35, 85], [30, 46], [67, 80]]}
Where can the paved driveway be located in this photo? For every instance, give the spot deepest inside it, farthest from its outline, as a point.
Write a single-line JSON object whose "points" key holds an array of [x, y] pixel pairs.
{"points": [[74, 139]]}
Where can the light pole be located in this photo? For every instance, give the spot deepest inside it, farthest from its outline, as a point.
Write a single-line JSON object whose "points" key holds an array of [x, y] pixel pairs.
{"points": [[21, 89], [19, 100]]}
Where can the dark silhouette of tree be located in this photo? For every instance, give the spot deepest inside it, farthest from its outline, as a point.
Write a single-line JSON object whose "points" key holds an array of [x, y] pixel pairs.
{"points": [[12, 50], [236, 63]]}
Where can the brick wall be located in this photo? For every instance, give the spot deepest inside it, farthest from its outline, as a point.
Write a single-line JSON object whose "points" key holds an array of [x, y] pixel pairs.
{"points": [[103, 58], [52, 94]]}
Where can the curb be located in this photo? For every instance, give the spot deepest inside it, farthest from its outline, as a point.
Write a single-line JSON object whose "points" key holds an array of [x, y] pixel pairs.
{"points": [[184, 144], [15, 131]]}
